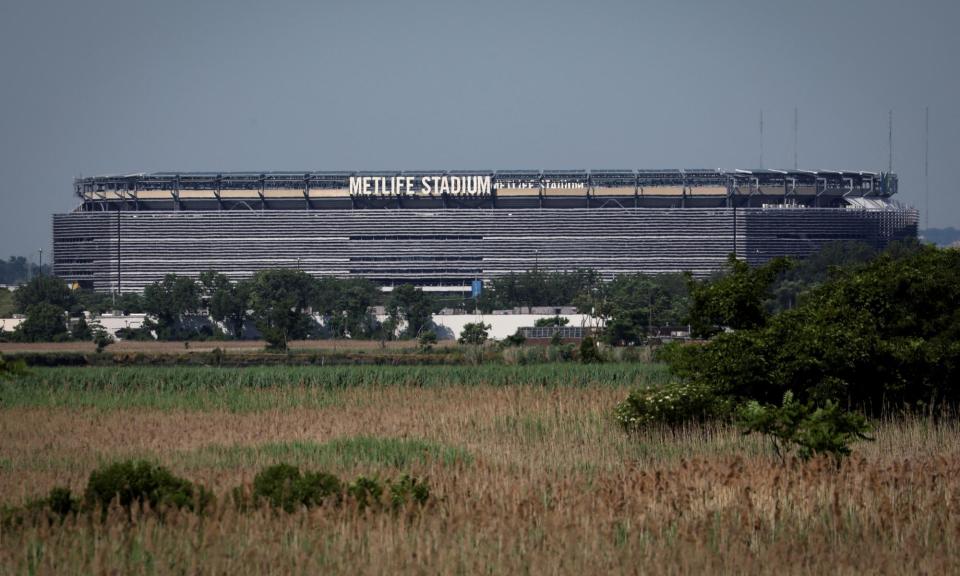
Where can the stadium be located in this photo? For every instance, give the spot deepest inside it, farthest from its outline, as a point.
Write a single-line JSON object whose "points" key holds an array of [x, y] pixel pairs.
{"points": [[447, 231]]}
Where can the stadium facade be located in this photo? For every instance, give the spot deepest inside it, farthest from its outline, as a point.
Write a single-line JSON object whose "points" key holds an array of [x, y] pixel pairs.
{"points": [[444, 230]]}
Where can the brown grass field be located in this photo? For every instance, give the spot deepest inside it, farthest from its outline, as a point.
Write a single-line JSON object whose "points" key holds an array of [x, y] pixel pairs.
{"points": [[536, 480]]}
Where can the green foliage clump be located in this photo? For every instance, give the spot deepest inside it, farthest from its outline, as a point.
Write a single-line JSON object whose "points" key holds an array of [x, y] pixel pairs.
{"points": [[885, 333], [284, 486], [551, 321], [474, 333], [10, 369], [589, 351], [365, 491], [81, 330], [169, 301], [632, 304], [45, 322], [226, 301], [408, 490], [411, 306], [735, 300], [537, 288], [279, 299], [139, 482], [44, 289], [811, 430], [515, 339], [672, 404], [59, 501], [101, 338]]}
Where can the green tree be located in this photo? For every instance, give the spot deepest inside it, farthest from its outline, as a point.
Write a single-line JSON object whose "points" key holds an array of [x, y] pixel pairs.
{"points": [[411, 305], [345, 306], [168, 301], [474, 333], [632, 304], [96, 303], [45, 322], [280, 300], [734, 300], [876, 336], [81, 330], [227, 302], [50, 290]]}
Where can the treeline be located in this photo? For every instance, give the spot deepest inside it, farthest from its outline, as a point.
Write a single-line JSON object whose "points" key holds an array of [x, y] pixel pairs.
{"points": [[282, 304], [18, 270]]}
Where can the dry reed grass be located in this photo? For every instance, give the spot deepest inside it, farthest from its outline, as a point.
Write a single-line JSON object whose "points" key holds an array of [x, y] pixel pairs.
{"points": [[551, 486]]}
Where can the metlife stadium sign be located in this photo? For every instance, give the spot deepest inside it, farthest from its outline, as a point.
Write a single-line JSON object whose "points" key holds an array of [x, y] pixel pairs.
{"points": [[409, 185]]}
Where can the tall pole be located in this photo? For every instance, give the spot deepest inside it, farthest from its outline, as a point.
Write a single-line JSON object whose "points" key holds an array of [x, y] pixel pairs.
{"points": [[118, 251], [796, 125], [890, 142], [761, 138], [40, 270], [926, 167]]}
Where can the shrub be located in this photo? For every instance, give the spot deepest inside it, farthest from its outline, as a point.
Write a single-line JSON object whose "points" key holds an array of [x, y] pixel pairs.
{"points": [[672, 405], [589, 352], [141, 482], [408, 489], [81, 330], [59, 501], [102, 338], [365, 491], [427, 340], [283, 486], [474, 333], [11, 368], [811, 430], [515, 339]]}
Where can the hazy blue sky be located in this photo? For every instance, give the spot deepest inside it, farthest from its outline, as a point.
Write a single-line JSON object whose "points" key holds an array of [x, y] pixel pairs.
{"points": [[98, 87]]}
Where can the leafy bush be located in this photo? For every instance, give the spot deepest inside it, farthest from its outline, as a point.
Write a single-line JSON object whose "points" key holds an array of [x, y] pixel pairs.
{"points": [[810, 430], [44, 323], [365, 491], [589, 352], [881, 334], [551, 321], [671, 404], [474, 333], [10, 368], [283, 486], [408, 490], [515, 339], [139, 482], [427, 339]]}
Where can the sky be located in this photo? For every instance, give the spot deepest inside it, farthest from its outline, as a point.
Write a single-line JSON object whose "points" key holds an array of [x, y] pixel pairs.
{"points": [[122, 86]]}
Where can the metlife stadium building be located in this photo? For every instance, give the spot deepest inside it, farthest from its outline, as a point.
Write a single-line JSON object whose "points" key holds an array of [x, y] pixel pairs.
{"points": [[445, 230]]}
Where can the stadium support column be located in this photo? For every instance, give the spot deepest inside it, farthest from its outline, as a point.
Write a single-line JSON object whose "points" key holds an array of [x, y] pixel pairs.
{"points": [[119, 281], [734, 198]]}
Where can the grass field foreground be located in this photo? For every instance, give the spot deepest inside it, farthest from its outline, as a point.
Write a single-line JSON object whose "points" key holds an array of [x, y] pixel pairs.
{"points": [[526, 476]]}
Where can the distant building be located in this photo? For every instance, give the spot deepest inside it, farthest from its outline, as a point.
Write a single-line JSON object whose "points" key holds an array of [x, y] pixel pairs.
{"points": [[445, 230]]}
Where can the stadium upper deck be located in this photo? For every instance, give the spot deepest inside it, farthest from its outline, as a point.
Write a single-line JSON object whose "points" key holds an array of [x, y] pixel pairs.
{"points": [[479, 189]]}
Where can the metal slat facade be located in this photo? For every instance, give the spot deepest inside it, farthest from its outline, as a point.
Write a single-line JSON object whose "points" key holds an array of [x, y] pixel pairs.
{"points": [[446, 247]]}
